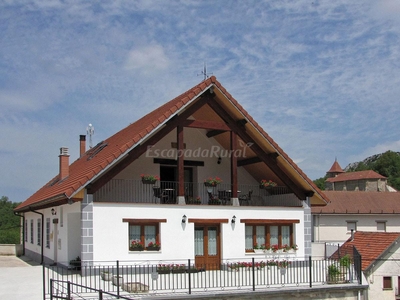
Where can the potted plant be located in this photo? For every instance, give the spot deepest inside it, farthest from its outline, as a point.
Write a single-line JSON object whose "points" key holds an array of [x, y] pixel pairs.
{"points": [[267, 184], [196, 201], [178, 268], [153, 246], [258, 248], [214, 201], [164, 269], [212, 181], [282, 265], [136, 245], [149, 179], [286, 248], [294, 248], [334, 274], [75, 263], [275, 248], [117, 280]]}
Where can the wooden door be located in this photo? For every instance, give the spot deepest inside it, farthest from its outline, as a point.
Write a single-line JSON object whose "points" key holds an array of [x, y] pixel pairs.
{"points": [[207, 247]]}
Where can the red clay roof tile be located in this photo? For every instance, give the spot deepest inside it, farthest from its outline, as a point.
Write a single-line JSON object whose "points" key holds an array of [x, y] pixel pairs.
{"points": [[368, 174]]}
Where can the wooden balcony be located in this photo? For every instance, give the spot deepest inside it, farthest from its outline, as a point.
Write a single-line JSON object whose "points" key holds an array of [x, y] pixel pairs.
{"points": [[165, 192]]}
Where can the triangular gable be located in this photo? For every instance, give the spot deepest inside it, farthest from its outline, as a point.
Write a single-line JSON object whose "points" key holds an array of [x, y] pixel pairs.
{"points": [[114, 152]]}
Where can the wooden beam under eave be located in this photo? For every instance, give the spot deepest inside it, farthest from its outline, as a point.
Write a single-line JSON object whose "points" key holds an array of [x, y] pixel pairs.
{"points": [[213, 133], [268, 160], [202, 124], [181, 157], [234, 181], [248, 161], [141, 149]]}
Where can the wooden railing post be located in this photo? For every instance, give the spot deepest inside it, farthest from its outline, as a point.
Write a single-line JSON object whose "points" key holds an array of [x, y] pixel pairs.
{"points": [[310, 269]]}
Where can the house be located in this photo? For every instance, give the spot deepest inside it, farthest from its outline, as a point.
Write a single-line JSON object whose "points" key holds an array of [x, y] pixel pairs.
{"points": [[380, 261], [185, 179], [358, 201], [368, 180]]}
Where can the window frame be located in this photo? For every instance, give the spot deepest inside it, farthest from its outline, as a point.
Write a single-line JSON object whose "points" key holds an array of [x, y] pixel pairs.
{"points": [[387, 282], [143, 223], [48, 233], [39, 233], [32, 231], [267, 224]]}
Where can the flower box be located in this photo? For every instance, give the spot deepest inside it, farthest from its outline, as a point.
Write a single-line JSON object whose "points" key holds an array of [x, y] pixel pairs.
{"points": [[106, 276], [214, 202], [163, 271], [148, 181], [136, 248], [117, 280], [178, 271], [153, 248], [258, 250]]}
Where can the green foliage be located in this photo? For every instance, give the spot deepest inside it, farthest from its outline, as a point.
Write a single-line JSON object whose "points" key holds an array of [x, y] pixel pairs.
{"points": [[320, 182], [387, 164], [9, 223]]}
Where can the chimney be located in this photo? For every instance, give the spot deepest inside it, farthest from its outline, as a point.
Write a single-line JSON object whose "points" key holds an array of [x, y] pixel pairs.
{"points": [[64, 162], [352, 234], [82, 145]]}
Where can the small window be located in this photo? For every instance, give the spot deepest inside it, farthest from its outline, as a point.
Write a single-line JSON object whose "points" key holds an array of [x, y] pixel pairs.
{"points": [[144, 234], [39, 231], [31, 231], [26, 230], [48, 233], [387, 282], [351, 225], [381, 226], [268, 235]]}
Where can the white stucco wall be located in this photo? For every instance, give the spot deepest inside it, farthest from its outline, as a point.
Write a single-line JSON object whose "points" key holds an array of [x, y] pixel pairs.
{"points": [[110, 236], [66, 249], [390, 267], [333, 228]]}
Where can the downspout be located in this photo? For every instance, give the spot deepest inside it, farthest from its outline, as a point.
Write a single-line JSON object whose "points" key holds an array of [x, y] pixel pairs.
{"points": [[41, 235], [23, 230]]}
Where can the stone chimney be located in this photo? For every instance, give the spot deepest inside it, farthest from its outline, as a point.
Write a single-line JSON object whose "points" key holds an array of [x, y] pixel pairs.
{"points": [[82, 145], [64, 163]]}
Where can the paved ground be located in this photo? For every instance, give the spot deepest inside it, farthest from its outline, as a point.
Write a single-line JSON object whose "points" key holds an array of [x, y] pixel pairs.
{"points": [[20, 278]]}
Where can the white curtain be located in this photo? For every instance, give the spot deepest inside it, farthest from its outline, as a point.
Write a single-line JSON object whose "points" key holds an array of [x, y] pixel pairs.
{"points": [[274, 235], [260, 235], [249, 237], [134, 233], [198, 242], [212, 241], [149, 234], [285, 235]]}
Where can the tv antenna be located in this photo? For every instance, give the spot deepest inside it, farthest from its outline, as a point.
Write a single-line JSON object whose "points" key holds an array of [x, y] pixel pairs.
{"points": [[204, 72], [90, 132]]}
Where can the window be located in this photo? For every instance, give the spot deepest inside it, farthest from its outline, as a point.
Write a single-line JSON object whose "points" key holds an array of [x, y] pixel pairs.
{"points": [[48, 233], [387, 282], [26, 230], [145, 231], [351, 225], [61, 216], [31, 231], [268, 235], [381, 226], [39, 231]]}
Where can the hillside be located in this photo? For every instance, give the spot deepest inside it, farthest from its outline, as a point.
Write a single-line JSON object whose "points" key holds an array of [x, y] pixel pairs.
{"points": [[387, 164]]}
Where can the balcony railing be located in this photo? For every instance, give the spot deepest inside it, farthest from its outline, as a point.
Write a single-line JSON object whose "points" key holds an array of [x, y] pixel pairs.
{"points": [[184, 276], [165, 192]]}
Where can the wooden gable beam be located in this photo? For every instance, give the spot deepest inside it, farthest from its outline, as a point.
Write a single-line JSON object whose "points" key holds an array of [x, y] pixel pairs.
{"points": [[140, 149], [212, 125], [267, 159]]}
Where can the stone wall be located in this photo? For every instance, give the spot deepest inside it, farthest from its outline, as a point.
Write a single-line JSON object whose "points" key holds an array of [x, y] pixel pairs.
{"points": [[11, 249]]}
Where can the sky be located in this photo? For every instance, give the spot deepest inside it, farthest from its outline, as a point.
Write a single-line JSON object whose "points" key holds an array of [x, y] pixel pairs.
{"points": [[321, 77]]}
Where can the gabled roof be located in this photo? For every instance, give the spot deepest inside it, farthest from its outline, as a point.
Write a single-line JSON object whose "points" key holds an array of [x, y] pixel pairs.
{"points": [[336, 168], [356, 202], [107, 154], [371, 245], [359, 175]]}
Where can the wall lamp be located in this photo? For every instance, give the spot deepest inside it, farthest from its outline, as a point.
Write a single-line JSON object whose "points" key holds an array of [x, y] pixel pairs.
{"points": [[184, 219], [233, 219], [219, 160], [53, 212]]}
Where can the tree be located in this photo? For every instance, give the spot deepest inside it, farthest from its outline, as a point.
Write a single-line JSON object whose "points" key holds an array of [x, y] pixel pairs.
{"points": [[10, 224]]}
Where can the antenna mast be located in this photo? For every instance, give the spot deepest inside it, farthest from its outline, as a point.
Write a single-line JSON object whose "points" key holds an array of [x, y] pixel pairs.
{"points": [[90, 132], [204, 72]]}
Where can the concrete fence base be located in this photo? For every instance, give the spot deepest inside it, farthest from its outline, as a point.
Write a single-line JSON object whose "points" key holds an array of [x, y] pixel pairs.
{"points": [[11, 249]]}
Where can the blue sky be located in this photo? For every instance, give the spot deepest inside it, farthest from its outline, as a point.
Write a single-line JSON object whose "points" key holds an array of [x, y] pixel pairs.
{"points": [[321, 77]]}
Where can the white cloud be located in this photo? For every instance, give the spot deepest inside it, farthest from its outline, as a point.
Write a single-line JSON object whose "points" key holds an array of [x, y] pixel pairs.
{"points": [[147, 59]]}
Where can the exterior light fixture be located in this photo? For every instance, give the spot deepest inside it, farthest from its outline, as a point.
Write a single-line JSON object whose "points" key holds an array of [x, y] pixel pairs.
{"points": [[219, 160], [184, 219], [233, 219], [53, 212]]}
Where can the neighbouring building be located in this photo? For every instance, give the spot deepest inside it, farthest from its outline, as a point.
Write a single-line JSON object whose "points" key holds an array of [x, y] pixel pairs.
{"points": [[380, 261]]}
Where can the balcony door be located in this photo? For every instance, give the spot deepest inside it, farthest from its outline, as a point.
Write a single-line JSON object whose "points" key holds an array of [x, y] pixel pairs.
{"points": [[169, 178], [207, 246]]}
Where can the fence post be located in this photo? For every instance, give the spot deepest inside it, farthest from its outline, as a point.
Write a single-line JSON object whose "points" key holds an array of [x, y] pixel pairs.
{"points": [[69, 289], [44, 281], [117, 279], [51, 289], [253, 273], [100, 294], [310, 269], [189, 280]]}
